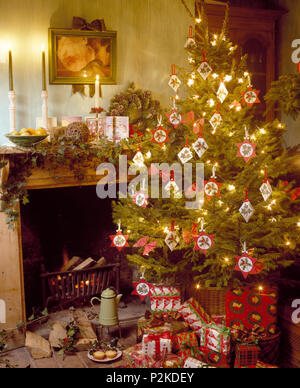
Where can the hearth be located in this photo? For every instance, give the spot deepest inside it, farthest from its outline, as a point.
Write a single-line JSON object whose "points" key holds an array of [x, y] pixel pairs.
{"points": [[58, 225]]}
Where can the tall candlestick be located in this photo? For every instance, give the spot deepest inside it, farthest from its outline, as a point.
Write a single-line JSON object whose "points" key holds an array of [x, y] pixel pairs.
{"points": [[44, 69], [12, 110], [45, 109], [97, 88], [11, 79]]}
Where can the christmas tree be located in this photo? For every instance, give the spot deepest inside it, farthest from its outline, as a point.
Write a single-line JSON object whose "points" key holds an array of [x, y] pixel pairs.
{"points": [[247, 226]]}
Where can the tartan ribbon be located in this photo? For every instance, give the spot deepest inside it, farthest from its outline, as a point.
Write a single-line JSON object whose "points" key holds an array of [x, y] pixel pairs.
{"points": [[246, 355], [156, 338]]}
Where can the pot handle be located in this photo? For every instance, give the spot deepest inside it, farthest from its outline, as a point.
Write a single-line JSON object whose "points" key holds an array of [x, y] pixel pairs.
{"points": [[95, 298]]}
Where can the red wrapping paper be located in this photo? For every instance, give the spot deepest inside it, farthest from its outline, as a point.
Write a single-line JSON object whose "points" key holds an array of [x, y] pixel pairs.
{"points": [[248, 307]]}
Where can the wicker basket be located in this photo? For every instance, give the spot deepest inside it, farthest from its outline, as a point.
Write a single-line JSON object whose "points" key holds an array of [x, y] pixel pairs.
{"points": [[211, 299], [270, 349]]}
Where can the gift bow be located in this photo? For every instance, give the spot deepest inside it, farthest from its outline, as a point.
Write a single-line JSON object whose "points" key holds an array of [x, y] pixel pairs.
{"points": [[156, 338], [81, 24]]}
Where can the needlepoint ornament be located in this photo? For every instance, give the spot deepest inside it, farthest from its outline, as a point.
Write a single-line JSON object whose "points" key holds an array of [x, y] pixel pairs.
{"points": [[222, 93], [174, 117], [172, 238], [204, 69], [266, 188], [119, 240], [160, 134], [247, 209], [250, 96], [174, 82], [246, 149], [142, 289], [190, 39], [246, 264], [212, 187], [200, 146], [216, 120], [185, 154], [204, 241]]}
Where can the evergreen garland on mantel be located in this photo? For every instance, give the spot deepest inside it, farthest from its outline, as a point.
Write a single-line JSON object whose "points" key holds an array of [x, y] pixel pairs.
{"points": [[52, 155]]}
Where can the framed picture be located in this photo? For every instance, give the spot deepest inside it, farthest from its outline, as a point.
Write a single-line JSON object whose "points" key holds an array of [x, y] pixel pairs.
{"points": [[77, 57]]}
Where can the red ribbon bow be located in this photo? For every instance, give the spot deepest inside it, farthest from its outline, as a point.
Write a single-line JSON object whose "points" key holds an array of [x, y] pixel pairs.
{"points": [[156, 338]]}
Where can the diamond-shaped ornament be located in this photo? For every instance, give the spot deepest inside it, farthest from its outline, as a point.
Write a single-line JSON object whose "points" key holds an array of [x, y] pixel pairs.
{"points": [[247, 210], [222, 93], [172, 186], [174, 82], [216, 120], [200, 146], [204, 70], [266, 190], [172, 240], [185, 154]]}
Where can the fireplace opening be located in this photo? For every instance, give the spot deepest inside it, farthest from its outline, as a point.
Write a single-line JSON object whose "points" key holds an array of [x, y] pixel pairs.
{"points": [[62, 224]]}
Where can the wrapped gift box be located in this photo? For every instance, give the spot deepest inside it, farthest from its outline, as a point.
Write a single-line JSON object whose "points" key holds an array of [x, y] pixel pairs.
{"points": [[165, 304], [93, 126], [173, 326], [246, 356], [157, 345], [135, 358], [172, 361], [247, 307], [186, 345], [219, 320], [191, 362], [194, 314], [162, 291], [115, 128], [215, 359], [216, 338]]}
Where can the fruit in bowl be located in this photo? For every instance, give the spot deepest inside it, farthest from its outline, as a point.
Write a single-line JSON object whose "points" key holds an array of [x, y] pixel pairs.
{"points": [[27, 137]]}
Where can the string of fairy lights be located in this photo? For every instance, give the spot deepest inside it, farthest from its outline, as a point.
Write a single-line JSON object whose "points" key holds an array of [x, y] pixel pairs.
{"points": [[256, 135]]}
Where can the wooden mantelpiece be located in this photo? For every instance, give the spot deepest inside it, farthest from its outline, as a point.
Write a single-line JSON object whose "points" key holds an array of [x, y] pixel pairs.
{"points": [[11, 259]]}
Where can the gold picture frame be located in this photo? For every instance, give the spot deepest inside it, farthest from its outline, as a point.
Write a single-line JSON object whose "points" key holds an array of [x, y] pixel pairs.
{"points": [[76, 57]]}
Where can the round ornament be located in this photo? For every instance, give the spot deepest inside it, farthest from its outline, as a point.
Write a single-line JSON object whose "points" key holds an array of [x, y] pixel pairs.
{"points": [[160, 134], [203, 241], [142, 289], [250, 96], [245, 263], [246, 149], [119, 240]]}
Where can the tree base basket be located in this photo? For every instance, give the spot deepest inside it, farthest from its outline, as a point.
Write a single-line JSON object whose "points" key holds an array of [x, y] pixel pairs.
{"points": [[212, 299], [270, 349]]}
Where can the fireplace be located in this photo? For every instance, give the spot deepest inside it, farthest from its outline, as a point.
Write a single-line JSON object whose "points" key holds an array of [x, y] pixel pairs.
{"points": [[60, 224], [43, 183]]}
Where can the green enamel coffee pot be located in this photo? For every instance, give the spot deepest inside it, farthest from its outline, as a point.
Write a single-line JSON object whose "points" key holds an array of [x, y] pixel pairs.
{"points": [[108, 315]]}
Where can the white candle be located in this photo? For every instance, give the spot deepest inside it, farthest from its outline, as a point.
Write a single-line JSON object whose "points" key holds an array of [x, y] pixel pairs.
{"points": [[97, 88]]}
